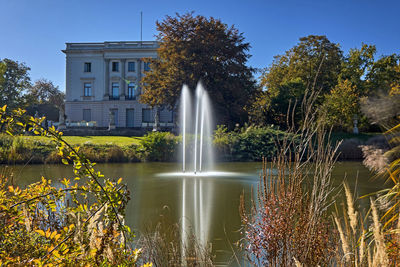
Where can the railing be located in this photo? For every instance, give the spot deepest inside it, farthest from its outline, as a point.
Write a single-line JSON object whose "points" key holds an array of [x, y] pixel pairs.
{"points": [[81, 124], [131, 97], [161, 124], [112, 45]]}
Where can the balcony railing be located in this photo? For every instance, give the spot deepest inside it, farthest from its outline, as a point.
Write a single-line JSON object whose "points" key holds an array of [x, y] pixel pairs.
{"points": [[131, 97]]}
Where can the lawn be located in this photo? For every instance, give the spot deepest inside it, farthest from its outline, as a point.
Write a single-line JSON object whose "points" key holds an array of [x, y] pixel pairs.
{"points": [[98, 140]]}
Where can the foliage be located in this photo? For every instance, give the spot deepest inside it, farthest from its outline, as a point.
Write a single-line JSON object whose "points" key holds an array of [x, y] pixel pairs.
{"points": [[248, 143], [384, 75], [288, 223], [356, 65], [15, 79], [285, 81], [194, 48], [313, 54], [45, 99], [158, 146], [44, 91], [80, 223], [341, 105]]}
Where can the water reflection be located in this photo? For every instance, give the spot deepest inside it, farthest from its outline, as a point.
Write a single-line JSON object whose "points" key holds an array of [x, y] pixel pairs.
{"points": [[208, 205]]}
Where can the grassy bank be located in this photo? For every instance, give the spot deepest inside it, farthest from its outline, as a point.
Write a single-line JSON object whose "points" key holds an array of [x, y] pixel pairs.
{"points": [[244, 144], [102, 149], [95, 140]]}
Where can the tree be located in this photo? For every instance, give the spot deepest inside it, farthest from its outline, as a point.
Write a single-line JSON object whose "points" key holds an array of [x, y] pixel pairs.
{"points": [[356, 65], [194, 48], [15, 79], [45, 98], [45, 92], [384, 75], [313, 62], [311, 56], [266, 110], [341, 105]]}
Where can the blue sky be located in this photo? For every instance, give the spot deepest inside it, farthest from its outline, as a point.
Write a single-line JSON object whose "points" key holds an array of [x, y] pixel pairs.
{"points": [[35, 31]]}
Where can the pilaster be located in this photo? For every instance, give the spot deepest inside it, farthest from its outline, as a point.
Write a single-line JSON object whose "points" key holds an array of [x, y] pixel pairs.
{"points": [[107, 79]]}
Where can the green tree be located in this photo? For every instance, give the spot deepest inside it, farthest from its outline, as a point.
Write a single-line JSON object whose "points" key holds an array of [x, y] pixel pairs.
{"points": [[341, 105], [273, 110], [2, 71], [45, 99], [384, 75], [313, 62], [357, 64], [194, 48], [314, 57], [15, 79], [45, 92]]}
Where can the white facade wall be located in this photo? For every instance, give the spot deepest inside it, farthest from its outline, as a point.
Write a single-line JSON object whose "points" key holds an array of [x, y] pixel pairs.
{"points": [[101, 77]]}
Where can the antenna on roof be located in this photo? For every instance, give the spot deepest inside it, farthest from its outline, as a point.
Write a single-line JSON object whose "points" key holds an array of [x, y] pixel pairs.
{"points": [[141, 26]]}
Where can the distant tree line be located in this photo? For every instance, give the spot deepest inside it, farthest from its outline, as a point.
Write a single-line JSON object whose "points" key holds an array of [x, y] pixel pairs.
{"points": [[194, 48], [354, 85], [17, 91], [349, 83]]}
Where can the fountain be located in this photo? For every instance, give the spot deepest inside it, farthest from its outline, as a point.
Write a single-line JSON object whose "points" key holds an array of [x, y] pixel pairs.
{"points": [[202, 130], [196, 123]]}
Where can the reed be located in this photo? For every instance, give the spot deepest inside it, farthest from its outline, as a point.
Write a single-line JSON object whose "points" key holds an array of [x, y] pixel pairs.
{"points": [[288, 222]]}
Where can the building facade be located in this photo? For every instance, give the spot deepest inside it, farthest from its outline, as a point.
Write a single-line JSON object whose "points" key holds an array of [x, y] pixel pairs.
{"points": [[102, 85]]}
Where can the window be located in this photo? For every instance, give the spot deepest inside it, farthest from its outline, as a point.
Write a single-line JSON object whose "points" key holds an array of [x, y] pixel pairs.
{"points": [[115, 90], [166, 116], [87, 89], [133, 90], [115, 66], [87, 116], [146, 66], [146, 115], [87, 67], [131, 66]]}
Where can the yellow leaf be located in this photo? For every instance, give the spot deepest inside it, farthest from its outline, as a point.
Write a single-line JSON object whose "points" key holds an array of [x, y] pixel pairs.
{"points": [[55, 253], [40, 232], [57, 237], [53, 234], [119, 180], [48, 233]]}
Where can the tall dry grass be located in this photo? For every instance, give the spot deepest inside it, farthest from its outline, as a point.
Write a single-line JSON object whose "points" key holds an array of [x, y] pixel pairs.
{"points": [[288, 223], [362, 236]]}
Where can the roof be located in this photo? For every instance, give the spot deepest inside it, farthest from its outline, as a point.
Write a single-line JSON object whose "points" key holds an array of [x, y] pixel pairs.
{"points": [[111, 46]]}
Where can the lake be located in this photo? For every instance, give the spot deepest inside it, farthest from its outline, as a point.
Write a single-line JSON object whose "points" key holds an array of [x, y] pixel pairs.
{"points": [[211, 203]]}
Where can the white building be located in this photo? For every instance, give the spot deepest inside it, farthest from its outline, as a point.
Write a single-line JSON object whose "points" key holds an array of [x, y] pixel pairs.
{"points": [[102, 82]]}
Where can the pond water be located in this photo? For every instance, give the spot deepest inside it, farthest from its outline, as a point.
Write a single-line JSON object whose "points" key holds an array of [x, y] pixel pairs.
{"points": [[216, 207]]}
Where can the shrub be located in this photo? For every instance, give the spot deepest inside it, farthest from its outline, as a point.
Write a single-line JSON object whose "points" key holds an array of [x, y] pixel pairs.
{"points": [[77, 224], [158, 146], [248, 143]]}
